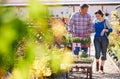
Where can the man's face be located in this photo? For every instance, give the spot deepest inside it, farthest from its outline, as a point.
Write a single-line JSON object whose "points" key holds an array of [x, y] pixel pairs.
{"points": [[84, 10]]}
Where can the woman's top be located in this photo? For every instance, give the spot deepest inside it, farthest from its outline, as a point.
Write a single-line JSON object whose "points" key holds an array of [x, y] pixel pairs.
{"points": [[99, 26]]}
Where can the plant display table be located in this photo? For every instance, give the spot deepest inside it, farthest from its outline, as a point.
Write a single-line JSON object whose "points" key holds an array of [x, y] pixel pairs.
{"points": [[84, 64]]}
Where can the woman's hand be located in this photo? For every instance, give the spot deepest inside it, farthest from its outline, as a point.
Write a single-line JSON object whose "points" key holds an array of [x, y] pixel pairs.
{"points": [[104, 30]]}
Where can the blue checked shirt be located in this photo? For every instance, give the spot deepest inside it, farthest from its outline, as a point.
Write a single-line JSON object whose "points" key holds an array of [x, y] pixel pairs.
{"points": [[80, 26]]}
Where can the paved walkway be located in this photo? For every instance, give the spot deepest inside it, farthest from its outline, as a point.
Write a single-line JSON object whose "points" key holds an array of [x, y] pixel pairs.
{"points": [[110, 71]]}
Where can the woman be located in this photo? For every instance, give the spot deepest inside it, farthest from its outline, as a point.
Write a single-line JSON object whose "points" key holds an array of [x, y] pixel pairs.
{"points": [[100, 39]]}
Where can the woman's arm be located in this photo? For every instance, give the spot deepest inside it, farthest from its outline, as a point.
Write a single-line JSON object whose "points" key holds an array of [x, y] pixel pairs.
{"points": [[108, 26]]}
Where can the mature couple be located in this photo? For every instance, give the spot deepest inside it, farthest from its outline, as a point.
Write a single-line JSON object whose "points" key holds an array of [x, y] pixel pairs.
{"points": [[81, 25]]}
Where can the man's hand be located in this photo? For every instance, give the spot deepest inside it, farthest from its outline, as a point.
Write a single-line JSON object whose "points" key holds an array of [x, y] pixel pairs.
{"points": [[70, 32]]}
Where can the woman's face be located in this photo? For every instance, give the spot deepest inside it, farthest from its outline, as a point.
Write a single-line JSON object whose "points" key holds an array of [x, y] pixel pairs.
{"points": [[98, 16]]}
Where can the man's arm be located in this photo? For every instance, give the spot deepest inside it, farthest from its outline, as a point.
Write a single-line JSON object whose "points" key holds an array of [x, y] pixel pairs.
{"points": [[70, 24], [90, 25]]}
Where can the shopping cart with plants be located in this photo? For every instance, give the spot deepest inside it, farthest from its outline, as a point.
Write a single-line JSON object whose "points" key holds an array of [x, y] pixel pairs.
{"points": [[82, 60]]}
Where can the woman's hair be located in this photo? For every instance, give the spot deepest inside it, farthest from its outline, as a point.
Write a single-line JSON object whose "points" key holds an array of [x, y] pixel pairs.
{"points": [[99, 12]]}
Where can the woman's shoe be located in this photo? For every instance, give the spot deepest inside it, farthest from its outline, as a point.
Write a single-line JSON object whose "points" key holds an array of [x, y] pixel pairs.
{"points": [[97, 66], [101, 70]]}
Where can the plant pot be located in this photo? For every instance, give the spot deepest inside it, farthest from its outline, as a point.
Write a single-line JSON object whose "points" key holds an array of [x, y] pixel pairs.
{"points": [[83, 45], [75, 45], [88, 45]]}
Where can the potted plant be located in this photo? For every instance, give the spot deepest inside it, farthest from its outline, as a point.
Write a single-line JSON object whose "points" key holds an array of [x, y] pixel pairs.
{"points": [[86, 42], [83, 55], [76, 40], [83, 43], [63, 41]]}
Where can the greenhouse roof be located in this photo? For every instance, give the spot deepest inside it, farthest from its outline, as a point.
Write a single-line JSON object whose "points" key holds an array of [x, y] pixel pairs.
{"points": [[61, 2]]}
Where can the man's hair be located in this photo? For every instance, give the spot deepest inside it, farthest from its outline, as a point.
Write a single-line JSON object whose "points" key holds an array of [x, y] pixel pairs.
{"points": [[82, 6]]}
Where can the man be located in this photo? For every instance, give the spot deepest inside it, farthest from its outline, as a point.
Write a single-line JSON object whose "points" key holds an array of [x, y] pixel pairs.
{"points": [[80, 24]]}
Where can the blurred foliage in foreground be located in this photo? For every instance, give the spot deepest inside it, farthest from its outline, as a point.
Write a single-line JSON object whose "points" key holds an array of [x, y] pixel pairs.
{"points": [[115, 36], [27, 50]]}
